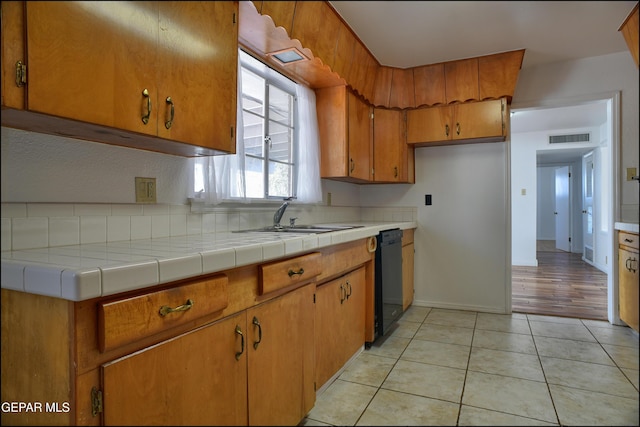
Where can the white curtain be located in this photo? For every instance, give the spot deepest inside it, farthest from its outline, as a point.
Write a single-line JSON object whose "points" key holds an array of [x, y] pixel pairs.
{"points": [[309, 188], [223, 178]]}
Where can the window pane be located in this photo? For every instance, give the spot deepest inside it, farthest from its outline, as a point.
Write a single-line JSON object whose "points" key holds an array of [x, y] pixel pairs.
{"points": [[281, 143], [254, 177], [252, 92], [280, 178], [253, 134], [280, 106]]}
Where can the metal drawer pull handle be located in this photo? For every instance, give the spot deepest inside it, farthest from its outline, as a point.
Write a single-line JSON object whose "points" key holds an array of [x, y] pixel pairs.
{"points": [[257, 323], [343, 293], [239, 332], [628, 240], [292, 273], [446, 130], [145, 117], [165, 309], [169, 121], [458, 128]]}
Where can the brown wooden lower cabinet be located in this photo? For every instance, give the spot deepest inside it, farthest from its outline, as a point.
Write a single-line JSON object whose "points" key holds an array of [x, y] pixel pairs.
{"points": [[628, 277], [242, 358]]}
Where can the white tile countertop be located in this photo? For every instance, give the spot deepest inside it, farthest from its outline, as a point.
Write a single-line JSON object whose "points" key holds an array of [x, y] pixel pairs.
{"points": [[627, 226], [80, 272]]}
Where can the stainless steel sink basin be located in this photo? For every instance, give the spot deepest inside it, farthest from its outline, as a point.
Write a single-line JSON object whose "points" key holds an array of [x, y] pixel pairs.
{"points": [[309, 229]]}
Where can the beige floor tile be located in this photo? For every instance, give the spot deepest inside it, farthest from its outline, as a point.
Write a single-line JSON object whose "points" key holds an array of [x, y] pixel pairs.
{"points": [[444, 333], [509, 395], [426, 380], [342, 403], [502, 323], [576, 331], [581, 408], [633, 376], [464, 319], [415, 314], [507, 363], [392, 408], [368, 369], [587, 376], [553, 319], [591, 352], [470, 416], [404, 329], [437, 353], [616, 335], [389, 346], [504, 341]]}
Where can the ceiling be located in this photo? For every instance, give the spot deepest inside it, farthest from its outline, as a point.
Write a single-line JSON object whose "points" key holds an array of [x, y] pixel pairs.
{"points": [[429, 32]]}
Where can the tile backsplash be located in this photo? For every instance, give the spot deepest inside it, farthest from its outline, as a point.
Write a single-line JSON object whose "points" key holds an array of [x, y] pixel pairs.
{"points": [[41, 225]]}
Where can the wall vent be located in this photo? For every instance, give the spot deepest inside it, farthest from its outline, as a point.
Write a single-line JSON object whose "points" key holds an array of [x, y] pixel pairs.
{"points": [[560, 139]]}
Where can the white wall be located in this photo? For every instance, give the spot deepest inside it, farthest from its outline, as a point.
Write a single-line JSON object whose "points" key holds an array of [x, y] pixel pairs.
{"points": [[461, 258], [564, 82]]}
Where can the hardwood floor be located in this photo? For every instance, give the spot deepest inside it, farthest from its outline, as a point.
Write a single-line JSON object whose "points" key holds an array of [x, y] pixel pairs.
{"points": [[561, 285]]}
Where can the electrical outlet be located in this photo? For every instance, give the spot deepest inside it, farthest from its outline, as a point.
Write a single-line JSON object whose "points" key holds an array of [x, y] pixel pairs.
{"points": [[145, 190]]}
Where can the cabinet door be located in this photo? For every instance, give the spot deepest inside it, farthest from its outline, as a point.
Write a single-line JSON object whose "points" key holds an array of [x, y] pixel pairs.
{"points": [[340, 323], [407, 275], [280, 354], [461, 80], [332, 110], [390, 148], [197, 73], [628, 283], [360, 152], [91, 61], [193, 379], [479, 120], [429, 125]]}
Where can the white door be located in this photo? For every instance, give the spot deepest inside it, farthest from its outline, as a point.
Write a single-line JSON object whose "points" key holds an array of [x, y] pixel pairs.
{"points": [[562, 209], [587, 207]]}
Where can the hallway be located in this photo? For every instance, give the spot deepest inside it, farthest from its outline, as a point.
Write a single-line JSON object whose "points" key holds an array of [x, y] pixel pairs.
{"points": [[561, 285]]}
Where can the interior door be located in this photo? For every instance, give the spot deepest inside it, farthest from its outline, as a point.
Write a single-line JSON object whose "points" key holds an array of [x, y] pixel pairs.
{"points": [[562, 209], [587, 206]]}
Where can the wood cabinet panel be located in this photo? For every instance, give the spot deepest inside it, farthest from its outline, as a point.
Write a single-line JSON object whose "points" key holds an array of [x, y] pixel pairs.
{"points": [[382, 86], [498, 74], [193, 379], [316, 25], [629, 29], [390, 147], [340, 323], [12, 27], [628, 278], [402, 89], [461, 80], [483, 121], [360, 141], [281, 12], [343, 60], [429, 85], [127, 320]]}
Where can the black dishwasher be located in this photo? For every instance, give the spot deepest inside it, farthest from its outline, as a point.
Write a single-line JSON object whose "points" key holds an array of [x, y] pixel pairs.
{"points": [[388, 280]]}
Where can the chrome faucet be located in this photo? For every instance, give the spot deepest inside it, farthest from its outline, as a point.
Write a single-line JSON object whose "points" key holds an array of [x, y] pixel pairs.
{"points": [[278, 215]]}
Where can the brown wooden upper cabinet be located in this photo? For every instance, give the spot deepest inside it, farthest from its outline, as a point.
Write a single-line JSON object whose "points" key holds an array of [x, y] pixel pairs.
{"points": [[392, 157], [344, 125], [629, 29], [167, 70], [483, 121]]}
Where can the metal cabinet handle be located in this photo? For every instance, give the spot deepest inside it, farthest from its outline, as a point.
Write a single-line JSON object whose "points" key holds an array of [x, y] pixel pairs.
{"points": [[446, 129], [350, 289], [458, 128], [145, 117], [256, 322], [353, 165], [343, 293], [239, 332], [165, 309], [395, 171], [169, 121], [293, 273]]}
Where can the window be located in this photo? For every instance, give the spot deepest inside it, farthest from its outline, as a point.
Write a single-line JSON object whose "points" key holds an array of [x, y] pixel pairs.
{"points": [[268, 107], [277, 154]]}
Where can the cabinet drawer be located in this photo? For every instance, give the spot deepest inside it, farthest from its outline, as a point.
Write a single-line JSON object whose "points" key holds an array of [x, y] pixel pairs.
{"points": [[130, 319], [628, 239], [280, 274]]}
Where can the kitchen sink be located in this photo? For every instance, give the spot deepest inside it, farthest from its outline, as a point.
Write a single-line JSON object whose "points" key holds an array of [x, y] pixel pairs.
{"points": [[309, 229]]}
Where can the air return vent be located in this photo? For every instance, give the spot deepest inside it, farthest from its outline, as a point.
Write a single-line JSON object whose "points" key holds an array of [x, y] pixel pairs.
{"points": [[561, 139]]}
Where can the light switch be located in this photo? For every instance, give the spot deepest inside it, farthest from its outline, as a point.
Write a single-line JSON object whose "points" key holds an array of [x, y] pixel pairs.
{"points": [[631, 172], [523, 191]]}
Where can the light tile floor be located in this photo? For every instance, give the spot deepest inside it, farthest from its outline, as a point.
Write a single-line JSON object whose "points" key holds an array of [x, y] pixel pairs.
{"points": [[451, 367]]}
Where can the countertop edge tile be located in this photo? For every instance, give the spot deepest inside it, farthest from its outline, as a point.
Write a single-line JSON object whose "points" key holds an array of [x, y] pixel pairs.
{"points": [[129, 277], [627, 226], [81, 285]]}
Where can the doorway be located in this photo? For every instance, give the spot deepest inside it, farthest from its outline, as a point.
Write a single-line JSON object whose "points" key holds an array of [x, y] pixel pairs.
{"points": [[601, 117]]}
